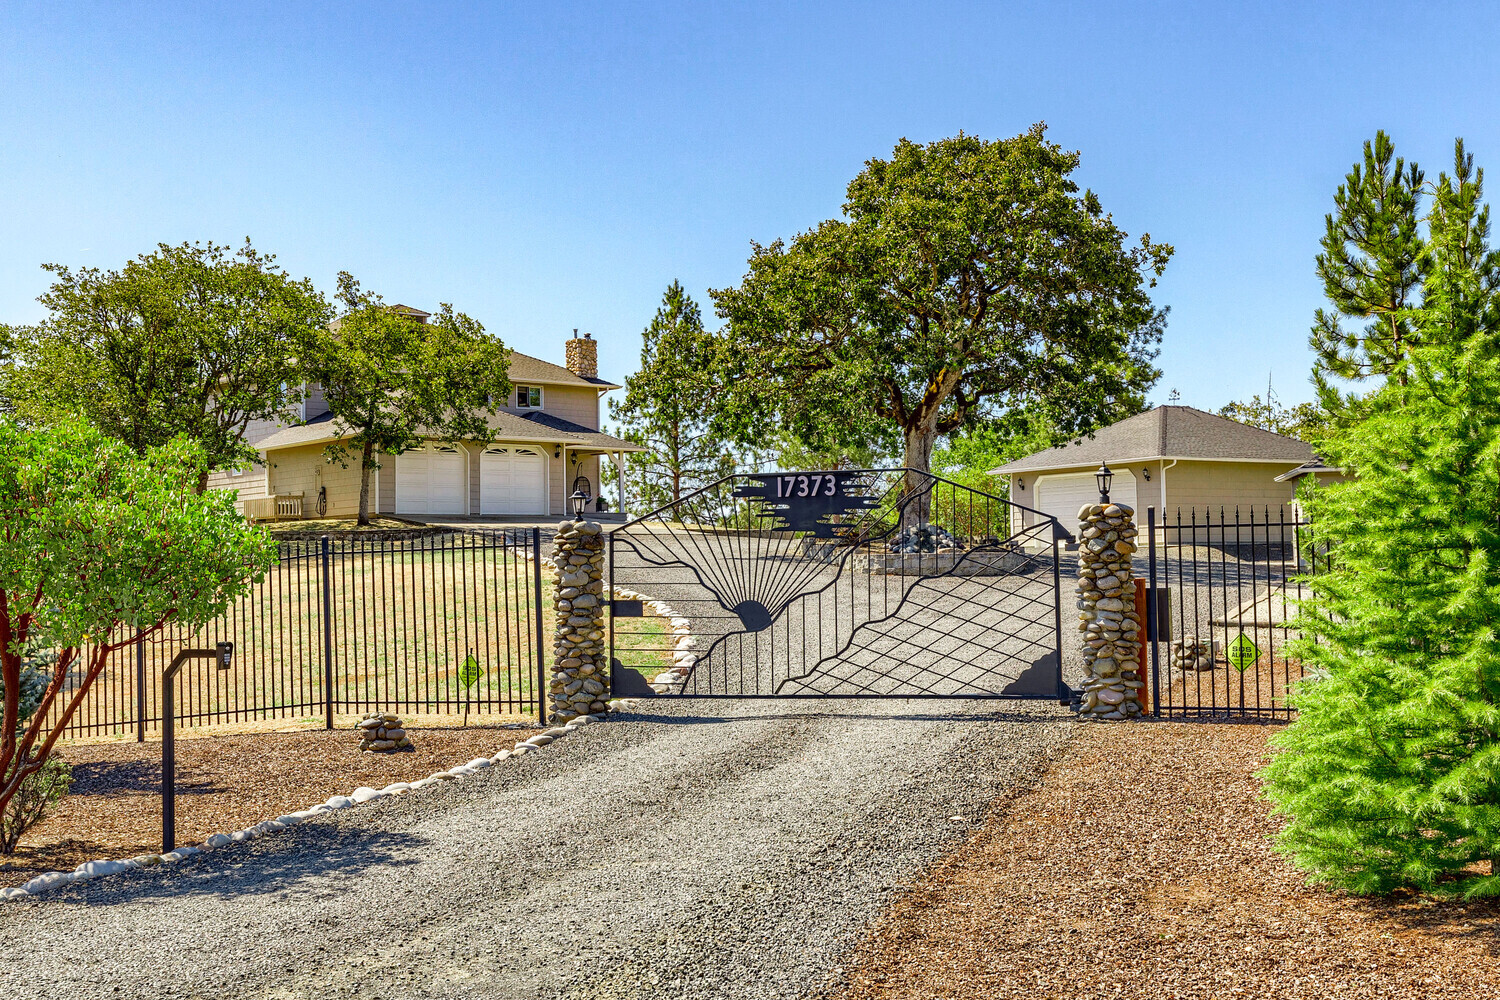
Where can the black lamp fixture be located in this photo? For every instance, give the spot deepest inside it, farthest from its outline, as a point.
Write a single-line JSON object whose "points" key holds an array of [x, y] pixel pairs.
{"points": [[579, 500], [1146, 473], [1104, 477], [1020, 483], [222, 656]]}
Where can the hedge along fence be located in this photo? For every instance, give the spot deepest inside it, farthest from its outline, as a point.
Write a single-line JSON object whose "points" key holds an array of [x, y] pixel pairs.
{"points": [[353, 625]]}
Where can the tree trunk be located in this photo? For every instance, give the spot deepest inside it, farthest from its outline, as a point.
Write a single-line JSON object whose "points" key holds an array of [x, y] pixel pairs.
{"points": [[921, 438], [366, 462]]}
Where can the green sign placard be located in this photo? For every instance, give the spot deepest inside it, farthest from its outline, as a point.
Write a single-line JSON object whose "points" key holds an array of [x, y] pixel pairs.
{"points": [[1242, 652], [470, 672]]}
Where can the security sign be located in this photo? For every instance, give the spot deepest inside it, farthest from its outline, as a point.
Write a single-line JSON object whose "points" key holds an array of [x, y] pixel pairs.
{"points": [[1242, 652]]}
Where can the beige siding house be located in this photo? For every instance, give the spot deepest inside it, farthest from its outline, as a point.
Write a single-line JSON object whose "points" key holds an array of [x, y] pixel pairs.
{"points": [[1182, 461], [547, 441]]}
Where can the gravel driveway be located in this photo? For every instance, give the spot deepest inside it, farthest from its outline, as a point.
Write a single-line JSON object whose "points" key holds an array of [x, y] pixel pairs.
{"points": [[718, 849], [699, 848]]}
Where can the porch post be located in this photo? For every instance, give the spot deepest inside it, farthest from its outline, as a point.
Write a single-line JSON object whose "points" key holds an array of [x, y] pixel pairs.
{"points": [[618, 458]]}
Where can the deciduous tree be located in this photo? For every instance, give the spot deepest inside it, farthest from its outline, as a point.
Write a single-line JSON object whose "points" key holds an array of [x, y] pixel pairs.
{"points": [[966, 278], [99, 546], [191, 339], [390, 381]]}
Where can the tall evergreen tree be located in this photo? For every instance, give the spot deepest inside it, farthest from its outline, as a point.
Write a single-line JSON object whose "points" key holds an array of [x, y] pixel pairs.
{"points": [[668, 407], [1390, 776], [1369, 266]]}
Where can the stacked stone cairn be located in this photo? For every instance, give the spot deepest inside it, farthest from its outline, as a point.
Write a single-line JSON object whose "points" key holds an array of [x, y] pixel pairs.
{"points": [[380, 733], [579, 669], [1106, 612], [1192, 653]]}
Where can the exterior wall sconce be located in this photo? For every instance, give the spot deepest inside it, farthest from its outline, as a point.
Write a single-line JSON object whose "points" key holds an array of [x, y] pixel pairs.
{"points": [[1104, 477], [557, 451], [1146, 473], [1021, 484]]}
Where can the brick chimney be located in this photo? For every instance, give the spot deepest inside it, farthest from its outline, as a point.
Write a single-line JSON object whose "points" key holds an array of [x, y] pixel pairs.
{"points": [[582, 355]]}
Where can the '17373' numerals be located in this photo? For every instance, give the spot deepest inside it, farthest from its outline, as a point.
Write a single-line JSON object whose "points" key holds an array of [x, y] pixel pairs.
{"points": [[819, 485]]}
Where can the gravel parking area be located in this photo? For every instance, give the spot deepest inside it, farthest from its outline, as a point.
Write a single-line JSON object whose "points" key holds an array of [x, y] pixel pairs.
{"points": [[710, 849], [1141, 867]]}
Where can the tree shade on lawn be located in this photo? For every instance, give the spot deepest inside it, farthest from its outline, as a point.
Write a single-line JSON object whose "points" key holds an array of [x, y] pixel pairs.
{"points": [[99, 545]]}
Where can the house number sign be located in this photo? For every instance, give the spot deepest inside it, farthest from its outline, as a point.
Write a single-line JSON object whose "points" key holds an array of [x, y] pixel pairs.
{"points": [[818, 503]]}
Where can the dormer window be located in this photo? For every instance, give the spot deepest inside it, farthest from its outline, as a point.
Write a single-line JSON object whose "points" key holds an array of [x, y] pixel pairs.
{"points": [[528, 397]]}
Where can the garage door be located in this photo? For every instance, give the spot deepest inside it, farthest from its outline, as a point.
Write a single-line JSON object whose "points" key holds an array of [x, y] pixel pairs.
{"points": [[512, 481], [430, 480], [1063, 495]]}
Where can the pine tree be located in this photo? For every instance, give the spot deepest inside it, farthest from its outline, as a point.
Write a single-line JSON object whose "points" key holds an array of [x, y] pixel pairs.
{"points": [[1390, 776], [668, 408], [1369, 267]]}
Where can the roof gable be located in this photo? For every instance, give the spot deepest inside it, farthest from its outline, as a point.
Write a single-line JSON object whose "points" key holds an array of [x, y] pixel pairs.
{"points": [[1168, 432]]}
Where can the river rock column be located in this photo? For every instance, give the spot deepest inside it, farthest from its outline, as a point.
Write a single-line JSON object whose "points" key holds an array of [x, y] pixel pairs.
{"points": [[579, 683], [1106, 612]]}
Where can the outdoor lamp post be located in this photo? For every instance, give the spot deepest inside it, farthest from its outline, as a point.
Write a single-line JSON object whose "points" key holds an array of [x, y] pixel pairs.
{"points": [[221, 654], [1104, 477], [579, 500]]}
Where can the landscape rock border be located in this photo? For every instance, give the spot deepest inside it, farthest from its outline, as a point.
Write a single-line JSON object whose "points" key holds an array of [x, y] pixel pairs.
{"points": [[98, 869]]}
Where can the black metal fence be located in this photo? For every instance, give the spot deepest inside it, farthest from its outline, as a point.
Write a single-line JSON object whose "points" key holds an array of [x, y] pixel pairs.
{"points": [[1227, 588], [342, 626]]}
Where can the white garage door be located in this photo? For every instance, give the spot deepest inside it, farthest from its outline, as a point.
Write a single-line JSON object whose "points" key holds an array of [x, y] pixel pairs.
{"points": [[1063, 495], [430, 480], [513, 480]]}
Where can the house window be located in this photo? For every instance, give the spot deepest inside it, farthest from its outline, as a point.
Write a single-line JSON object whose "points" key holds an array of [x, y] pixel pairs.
{"points": [[528, 397]]}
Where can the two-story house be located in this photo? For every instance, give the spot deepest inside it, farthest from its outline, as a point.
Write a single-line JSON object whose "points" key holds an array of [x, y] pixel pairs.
{"points": [[547, 443]]}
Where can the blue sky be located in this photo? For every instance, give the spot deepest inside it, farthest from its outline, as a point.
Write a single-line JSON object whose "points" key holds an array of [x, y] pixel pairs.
{"points": [[551, 166]]}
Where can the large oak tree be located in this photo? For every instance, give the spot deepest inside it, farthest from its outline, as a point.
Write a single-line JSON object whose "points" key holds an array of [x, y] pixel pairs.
{"points": [[967, 278], [192, 339], [390, 381]]}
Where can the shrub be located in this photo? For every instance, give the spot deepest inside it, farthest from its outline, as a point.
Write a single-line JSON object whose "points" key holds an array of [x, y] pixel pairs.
{"points": [[38, 793]]}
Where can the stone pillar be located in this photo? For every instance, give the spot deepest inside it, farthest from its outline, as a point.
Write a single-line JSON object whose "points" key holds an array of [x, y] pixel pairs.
{"points": [[579, 668], [1106, 612]]}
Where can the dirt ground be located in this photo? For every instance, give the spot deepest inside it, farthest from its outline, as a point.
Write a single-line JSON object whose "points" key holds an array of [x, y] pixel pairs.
{"points": [[224, 783], [1141, 867]]}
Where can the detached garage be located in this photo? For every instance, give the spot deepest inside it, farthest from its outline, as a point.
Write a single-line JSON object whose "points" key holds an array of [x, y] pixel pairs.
{"points": [[512, 480], [1174, 458], [432, 479]]}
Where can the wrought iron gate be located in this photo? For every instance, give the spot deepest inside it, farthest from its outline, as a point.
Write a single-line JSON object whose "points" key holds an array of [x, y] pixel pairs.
{"points": [[862, 583]]}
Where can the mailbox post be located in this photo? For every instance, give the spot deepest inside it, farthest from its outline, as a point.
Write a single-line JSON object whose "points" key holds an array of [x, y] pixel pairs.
{"points": [[221, 654]]}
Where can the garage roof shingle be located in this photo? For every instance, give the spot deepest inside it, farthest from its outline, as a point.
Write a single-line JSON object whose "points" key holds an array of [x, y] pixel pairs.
{"points": [[1167, 432]]}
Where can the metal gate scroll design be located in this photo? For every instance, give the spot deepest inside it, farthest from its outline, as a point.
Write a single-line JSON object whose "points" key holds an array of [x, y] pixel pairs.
{"points": [[844, 583]]}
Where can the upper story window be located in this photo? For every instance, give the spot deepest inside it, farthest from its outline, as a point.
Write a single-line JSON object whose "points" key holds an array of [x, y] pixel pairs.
{"points": [[528, 397]]}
